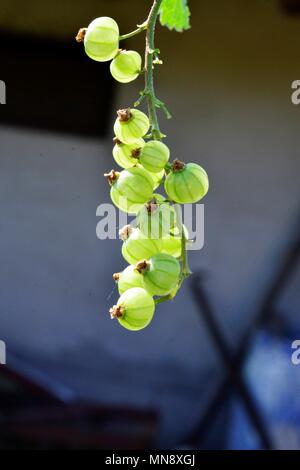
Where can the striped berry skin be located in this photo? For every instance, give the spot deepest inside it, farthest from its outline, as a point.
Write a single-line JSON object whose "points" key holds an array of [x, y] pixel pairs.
{"points": [[154, 156], [133, 187], [126, 66], [128, 279], [134, 310], [101, 40], [156, 177], [186, 184], [161, 273], [123, 153], [171, 246], [137, 247], [156, 218], [131, 125]]}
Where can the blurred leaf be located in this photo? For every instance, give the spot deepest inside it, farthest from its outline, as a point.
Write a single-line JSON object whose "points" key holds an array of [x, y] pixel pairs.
{"points": [[175, 14]]}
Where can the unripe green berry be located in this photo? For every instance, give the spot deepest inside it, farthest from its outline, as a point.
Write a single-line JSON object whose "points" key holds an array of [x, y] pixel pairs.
{"points": [[126, 66], [130, 188], [134, 310], [136, 246], [172, 246], [161, 273], [127, 155], [130, 125], [128, 279], [157, 178], [101, 40], [156, 218], [186, 183], [154, 156]]}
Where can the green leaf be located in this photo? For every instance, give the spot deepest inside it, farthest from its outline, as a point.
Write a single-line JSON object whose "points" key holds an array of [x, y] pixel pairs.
{"points": [[175, 14]]}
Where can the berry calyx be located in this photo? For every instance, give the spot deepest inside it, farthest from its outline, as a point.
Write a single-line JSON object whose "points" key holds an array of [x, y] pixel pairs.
{"points": [[112, 176], [116, 311], [126, 66], [134, 310], [81, 34], [177, 165], [101, 39], [124, 114]]}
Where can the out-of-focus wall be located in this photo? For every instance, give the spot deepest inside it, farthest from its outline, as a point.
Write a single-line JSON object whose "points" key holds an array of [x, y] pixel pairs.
{"points": [[227, 82]]}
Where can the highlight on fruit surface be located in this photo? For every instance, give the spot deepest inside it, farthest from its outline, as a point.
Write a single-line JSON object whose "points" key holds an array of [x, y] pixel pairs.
{"points": [[126, 66], [130, 188], [130, 125], [134, 310], [127, 155], [128, 279], [157, 178], [156, 218], [154, 156], [171, 245], [101, 39], [136, 246], [186, 183], [160, 273]]}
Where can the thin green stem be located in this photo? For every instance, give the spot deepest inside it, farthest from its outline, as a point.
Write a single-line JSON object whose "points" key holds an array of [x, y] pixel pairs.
{"points": [[140, 28], [153, 103], [184, 257], [165, 298], [149, 82]]}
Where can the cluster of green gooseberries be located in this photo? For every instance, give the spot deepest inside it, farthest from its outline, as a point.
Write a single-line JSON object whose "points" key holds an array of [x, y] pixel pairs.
{"points": [[101, 43], [153, 248]]}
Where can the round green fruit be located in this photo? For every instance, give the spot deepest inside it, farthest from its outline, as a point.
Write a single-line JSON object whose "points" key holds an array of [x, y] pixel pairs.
{"points": [[131, 125], [128, 279], [156, 218], [160, 273], [134, 310], [136, 246], [154, 156], [186, 183], [172, 246], [126, 66], [157, 178], [130, 188], [126, 155], [101, 40]]}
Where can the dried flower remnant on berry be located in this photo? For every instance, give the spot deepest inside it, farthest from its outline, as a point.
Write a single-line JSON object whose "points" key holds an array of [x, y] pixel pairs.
{"points": [[125, 231], [112, 176], [80, 35], [124, 114], [116, 311]]}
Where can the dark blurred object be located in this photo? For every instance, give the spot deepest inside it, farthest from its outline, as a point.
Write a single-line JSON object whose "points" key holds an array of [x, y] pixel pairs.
{"points": [[292, 7], [274, 383], [53, 85], [33, 418], [266, 316]]}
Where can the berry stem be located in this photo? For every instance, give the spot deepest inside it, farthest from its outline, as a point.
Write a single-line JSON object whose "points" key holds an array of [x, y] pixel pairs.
{"points": [[149, 82], [140, 28], [184, 257]]}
